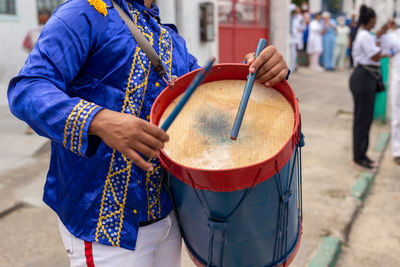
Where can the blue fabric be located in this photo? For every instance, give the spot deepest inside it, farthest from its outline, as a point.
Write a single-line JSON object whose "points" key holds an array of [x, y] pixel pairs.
{"points": [[84, 62], [329, 42], [305, 34]]}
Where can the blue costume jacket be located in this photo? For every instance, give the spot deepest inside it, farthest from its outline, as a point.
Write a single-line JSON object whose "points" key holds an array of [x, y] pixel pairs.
{"points": [[85, 60]]}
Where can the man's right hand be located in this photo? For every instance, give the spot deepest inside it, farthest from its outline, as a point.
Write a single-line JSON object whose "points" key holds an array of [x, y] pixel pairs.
{"points": [[129, 135]]}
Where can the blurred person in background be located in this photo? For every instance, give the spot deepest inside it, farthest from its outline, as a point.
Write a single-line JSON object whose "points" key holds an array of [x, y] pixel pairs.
{"points": [[391, 45], [33, 35], [304, 7], [303, 56], [296, 40], [314, 44], [30, 40], [364, 83], [328, 41], [342, 42]]}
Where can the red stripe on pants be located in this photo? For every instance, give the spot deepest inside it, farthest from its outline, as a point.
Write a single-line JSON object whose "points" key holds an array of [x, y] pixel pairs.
{"points": [[89, 254]]}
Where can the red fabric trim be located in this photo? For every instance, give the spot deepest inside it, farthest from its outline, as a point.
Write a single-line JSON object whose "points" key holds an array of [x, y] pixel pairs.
{"points": [[89, 254]]}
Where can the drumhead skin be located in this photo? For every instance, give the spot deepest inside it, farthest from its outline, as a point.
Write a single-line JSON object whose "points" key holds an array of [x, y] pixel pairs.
{"points": [[200, 135], [239, 177]]}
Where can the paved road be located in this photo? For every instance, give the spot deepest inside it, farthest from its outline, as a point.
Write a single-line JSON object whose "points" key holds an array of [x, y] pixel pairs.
{"points": [[30, 236]]}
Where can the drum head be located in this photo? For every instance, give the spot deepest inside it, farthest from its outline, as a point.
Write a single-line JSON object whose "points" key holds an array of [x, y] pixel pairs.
{"points": [[200, 135]]}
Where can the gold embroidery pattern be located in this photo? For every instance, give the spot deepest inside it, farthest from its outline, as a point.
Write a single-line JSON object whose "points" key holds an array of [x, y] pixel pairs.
{"points": [[153, 190], [165, 48], [74, 126], [100, 6], [115, 190], [153, 179]]}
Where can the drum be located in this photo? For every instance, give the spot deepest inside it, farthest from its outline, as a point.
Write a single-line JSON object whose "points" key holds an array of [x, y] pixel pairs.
{"points": [[238, 203]]}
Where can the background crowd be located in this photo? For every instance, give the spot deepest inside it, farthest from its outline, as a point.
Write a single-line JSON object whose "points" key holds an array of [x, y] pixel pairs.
{"points": [[326, 44], [321, 41]]}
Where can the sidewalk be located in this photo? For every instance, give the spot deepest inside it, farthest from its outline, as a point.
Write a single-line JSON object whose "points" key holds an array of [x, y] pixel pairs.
{"points": [[375, 238], [17, 162], [328, 175]]}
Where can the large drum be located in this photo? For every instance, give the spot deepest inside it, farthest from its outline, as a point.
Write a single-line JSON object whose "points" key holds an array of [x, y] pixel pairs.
{"points": [[238, 203]]}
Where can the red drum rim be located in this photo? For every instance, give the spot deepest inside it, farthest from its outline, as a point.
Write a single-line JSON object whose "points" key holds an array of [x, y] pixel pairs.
{"points": [[234, 179]]}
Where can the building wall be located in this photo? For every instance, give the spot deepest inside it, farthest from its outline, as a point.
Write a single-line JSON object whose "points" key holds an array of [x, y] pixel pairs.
{"points": [[383, 8], [167, 11], [12, 33], [186, 15], [315, 5], [188, 20], [348, 7], [280, 24]]}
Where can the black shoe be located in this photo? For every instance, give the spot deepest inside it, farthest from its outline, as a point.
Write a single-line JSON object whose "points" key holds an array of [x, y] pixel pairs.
{"points": [[364, 164], [371, 162]]}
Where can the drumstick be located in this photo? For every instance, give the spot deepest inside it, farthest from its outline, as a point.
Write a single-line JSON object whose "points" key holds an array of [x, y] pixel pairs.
{"points": [[192, 87], [262, 43]]}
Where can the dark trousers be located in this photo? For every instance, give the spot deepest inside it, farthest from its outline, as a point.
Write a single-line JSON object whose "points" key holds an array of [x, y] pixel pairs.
{"points": [[363, 87]]}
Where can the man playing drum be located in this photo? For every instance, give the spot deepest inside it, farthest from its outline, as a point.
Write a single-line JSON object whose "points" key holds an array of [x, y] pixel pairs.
{"points": [[88, 86]]}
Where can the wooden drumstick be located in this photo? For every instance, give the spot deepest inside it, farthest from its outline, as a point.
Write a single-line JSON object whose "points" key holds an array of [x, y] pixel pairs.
{"points": [[192, 87], [246, 93]]}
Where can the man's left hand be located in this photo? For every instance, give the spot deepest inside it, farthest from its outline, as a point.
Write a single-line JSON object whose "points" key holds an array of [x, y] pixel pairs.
{"points": [[270, 64]]}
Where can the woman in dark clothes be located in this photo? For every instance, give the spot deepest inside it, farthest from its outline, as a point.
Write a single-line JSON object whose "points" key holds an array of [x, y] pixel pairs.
{"points": [[364, 83]]}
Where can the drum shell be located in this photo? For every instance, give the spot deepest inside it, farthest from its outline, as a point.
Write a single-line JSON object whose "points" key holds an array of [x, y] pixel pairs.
{"points": [[249, 236]]}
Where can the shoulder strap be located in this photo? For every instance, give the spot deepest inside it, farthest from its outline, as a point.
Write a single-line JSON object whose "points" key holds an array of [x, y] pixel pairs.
{"points": [[143, 43]]}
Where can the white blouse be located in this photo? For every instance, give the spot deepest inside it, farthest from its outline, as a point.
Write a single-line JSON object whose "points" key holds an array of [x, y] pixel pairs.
{"points": [[364, 48], [314, 44]]}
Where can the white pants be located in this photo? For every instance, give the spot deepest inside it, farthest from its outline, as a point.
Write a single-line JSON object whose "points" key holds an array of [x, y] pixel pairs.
{"points": [[395, 104], [340, 55], [314, 61], [158, 245]]}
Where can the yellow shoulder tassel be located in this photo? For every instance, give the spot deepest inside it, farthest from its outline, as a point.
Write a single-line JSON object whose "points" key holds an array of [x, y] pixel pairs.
{"points": [[100, 6]]}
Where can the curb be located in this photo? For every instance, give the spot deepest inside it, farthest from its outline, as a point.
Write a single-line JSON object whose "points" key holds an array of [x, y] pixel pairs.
{"points": [[43, 149], [382, 142], [327, 253], [11, 208], [329, 249], [361, 188]]}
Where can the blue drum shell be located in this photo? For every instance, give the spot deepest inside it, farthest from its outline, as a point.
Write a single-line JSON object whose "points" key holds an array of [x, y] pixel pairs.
{"points": [[256, 226]]}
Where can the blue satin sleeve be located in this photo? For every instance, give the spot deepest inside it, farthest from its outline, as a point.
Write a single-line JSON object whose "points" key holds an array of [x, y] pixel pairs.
{"points": [[193, 64], [40, 94]]}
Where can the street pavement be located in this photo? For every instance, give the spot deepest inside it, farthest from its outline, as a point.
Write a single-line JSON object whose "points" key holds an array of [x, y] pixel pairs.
{"points": [[375, 238], [29, 228]]}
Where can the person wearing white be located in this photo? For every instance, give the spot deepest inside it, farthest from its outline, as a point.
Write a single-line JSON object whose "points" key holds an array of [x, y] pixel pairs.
{"points": [[314, 45], [342, 42], [364, 83], [296, 40], [391, 45]]}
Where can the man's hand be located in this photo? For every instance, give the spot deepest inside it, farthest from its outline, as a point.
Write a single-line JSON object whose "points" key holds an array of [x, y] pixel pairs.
{"points": [[129, 135], [270, 64]]}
